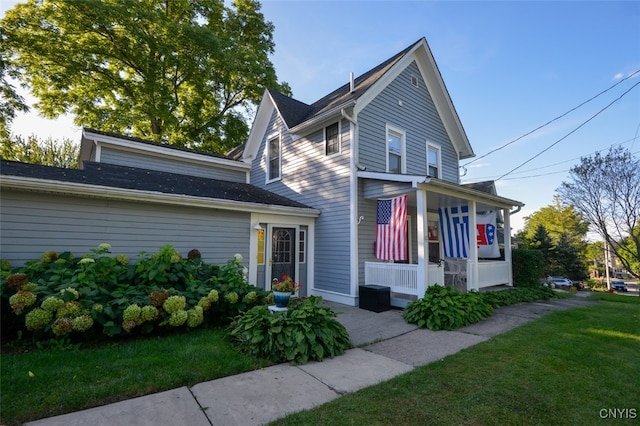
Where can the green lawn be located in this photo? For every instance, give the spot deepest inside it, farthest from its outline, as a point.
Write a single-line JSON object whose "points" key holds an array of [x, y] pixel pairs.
{"points": [[65, 381], [559, 370]]}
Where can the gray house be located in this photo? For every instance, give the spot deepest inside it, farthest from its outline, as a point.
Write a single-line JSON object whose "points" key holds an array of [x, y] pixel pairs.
{"points": [[298, 198], [138, 196], [391, 131]]}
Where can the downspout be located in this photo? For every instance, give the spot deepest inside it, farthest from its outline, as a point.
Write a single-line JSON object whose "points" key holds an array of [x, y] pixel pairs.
{"points": [[355, 142], [516, 211]]}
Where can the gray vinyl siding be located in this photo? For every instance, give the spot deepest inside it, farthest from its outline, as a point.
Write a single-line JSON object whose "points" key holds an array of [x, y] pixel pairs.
{"points": [[417, 116], [171, 165], [33, 223], [321, 182]]}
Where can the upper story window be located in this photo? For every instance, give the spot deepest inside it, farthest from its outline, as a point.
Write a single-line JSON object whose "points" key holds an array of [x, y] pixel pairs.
{"points": [[433, 161], [395, 150], [332, 139], [274, 158]]}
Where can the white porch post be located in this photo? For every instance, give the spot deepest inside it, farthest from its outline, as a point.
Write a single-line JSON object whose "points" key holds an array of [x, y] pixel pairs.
{"points": [[507, 244], [472, 262], [423, 249]]}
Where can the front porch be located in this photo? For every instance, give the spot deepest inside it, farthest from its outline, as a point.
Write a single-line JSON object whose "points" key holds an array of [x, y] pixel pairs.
{"points": [[405, 285]]}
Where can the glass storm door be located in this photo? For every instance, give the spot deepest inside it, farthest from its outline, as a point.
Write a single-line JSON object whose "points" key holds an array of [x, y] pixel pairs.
{"points": [[283, 253]]}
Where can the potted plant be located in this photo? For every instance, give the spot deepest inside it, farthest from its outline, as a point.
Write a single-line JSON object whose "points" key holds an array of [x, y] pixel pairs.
{"points": [[282, 290]]}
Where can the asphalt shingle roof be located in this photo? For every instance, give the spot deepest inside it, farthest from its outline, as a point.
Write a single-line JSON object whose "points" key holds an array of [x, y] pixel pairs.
{"points": [[115, 176], [295, 112]]}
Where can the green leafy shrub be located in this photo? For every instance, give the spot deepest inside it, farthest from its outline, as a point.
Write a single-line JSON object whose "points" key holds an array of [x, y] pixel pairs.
{"points": [[62, 296], [518, 295], [308, 331], [445, 308], [528, 267]]}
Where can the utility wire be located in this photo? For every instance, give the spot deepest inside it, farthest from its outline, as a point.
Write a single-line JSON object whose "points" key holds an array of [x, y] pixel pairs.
{"points": [[571, 132], [550, 121], [560, 162]]}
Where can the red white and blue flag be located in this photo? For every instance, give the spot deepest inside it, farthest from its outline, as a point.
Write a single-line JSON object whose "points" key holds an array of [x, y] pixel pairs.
{"points": [[391, 229], [487, 238]]}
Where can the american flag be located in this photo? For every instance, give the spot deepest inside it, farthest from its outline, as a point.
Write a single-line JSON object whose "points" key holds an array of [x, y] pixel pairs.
{"points": [[391, 229]]}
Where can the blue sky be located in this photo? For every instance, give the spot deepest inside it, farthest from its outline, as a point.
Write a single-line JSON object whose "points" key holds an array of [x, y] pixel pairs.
{"points": [[509, 68]]}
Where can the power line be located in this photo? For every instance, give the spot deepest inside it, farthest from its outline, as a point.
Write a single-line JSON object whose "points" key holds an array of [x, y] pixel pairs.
{"points": [[550, 121], [559, 162], [571, 132]]}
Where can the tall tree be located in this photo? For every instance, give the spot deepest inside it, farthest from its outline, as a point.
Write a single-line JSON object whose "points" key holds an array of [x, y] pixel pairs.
{"points": [[10, 101], [606, 191], [47, 152], [179, 71], [558, 219]]}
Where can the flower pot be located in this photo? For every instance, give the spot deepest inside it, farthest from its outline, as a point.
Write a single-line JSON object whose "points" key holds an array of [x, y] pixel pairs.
{"points": [[281, 298]]}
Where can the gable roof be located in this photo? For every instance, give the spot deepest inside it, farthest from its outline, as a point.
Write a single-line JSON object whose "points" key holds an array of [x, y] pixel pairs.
{"points": [[298, 116], [143, 180]]}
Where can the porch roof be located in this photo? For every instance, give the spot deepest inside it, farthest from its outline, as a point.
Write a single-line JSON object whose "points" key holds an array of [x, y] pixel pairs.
{"points": [[440, 193]]}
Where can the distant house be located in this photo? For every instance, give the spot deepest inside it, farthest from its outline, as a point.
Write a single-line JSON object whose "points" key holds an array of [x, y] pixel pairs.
{"points": [[300, 197]]}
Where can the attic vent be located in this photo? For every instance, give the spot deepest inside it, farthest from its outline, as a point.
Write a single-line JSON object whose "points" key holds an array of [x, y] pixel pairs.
{"points": [[414, 80]]}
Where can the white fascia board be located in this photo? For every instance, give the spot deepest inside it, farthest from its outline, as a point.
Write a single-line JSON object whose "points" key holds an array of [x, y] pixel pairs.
{"points": [[442, 101], [258, 128], [97, 191], [437, 89], [391, 177], [448, 188], [443, 187], [166, 152]]}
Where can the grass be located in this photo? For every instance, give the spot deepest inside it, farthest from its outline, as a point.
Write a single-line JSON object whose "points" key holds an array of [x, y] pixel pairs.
{"points": [[66, 381], [561, 369]]}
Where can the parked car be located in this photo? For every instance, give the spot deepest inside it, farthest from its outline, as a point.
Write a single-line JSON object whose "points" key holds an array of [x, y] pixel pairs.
{"points": [[618, 285], [559, 282]]}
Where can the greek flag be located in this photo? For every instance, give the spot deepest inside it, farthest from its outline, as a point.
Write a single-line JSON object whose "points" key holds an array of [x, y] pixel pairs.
{"points": [[454, 230]]}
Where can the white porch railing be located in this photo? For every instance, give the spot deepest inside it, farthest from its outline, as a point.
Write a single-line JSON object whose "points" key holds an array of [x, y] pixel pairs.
{"points": [[401, 277]]}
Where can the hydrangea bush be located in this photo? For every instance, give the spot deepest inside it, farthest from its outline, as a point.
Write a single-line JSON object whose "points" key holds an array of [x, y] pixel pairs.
{"points": [[61, 295]]}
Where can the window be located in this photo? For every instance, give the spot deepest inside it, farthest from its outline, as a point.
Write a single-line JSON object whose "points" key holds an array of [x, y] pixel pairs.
{"points": [[302, 239], [414, 80], [273, 159], [395, 150], [433, 161], [332, 139]]}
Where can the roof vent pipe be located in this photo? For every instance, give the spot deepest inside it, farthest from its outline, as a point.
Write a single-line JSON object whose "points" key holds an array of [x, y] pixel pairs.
{"points": [[351, 82]]}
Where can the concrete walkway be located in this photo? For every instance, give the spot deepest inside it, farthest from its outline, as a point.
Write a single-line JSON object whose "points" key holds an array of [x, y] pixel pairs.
{"points": [[386, 346]]}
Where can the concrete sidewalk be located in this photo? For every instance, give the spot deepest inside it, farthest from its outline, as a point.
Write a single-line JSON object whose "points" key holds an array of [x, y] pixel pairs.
{"points": [[386, 346]]}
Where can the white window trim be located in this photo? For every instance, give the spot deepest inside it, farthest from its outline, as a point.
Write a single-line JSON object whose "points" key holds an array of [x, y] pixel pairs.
{"points": [[438, 149], [302, 238], [268, 159], [324, 132], [403, 136]]}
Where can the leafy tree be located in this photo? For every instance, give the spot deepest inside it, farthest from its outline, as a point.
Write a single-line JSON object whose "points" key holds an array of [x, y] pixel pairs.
{"points": [[606, 191], [594, 254], [630, 252], [566, 260], [558, 220], [10, 101], [47, 152], [180, 71], [542, 242]]}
